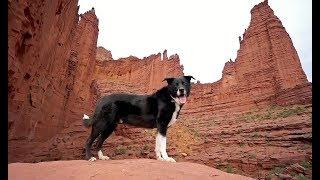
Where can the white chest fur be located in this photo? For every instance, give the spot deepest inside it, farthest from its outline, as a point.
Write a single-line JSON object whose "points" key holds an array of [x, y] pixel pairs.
{"points": [[174, 114]]}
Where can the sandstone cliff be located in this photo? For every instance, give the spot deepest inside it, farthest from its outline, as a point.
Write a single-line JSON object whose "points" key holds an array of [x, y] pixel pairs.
{"points": [[50, 63], [145, 74]]}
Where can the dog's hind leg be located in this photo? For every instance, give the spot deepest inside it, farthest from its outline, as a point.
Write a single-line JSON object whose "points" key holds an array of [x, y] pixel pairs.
{"points": [[104, 135], [96, 130], [94, 134]]}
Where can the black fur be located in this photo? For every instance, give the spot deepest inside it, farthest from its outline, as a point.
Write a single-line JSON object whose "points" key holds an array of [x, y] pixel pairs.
{"points": [[147, 111]]}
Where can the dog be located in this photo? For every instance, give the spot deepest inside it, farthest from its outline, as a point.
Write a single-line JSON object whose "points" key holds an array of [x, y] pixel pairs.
{"points": [[158, 110]]}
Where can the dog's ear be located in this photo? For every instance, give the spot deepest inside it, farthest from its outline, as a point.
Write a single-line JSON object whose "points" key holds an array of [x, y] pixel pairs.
{"points": [[189, 78], [169, 80]]}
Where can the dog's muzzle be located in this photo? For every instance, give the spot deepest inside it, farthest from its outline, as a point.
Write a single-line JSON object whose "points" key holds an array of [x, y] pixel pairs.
{"points": [[181, 96], [182, 99]]}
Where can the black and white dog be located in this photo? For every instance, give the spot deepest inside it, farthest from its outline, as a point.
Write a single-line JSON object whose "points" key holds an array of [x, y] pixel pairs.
{"points": [[158, 110]]}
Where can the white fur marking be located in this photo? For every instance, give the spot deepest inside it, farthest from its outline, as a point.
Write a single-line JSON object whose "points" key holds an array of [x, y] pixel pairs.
{"points": [[101, 156], [163, 146], [158, 147], [85, 116], [178, 92], [92, 159], [175, 113], [161, 153]]}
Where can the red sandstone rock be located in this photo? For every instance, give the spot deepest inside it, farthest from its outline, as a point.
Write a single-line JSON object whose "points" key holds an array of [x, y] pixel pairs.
{"points": [[80, 72], [285, 176], [267, 71], [50, 64], [118, 169], [40, 41], [146, 74], [103, 54]]}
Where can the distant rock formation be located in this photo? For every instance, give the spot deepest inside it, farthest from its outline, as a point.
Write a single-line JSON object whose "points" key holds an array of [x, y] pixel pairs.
{"points": [[267, 71], [103, 54], [144, 74]]}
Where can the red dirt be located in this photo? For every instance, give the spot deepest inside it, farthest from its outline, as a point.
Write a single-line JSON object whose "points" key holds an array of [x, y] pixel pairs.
{"points": [[116, 169]]}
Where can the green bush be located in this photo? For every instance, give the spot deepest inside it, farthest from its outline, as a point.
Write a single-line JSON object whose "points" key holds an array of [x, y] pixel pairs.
{"points": [[229, 169], [121, 150]]}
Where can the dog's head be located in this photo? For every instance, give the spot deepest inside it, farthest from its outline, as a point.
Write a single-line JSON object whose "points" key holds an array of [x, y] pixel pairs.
{"points": [[179, 88]]}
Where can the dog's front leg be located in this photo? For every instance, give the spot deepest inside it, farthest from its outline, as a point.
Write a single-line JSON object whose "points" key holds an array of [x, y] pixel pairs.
{"points": [[158, 145], [161, 152]]}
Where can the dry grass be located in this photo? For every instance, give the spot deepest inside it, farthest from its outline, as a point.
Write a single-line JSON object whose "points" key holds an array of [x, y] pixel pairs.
{"points": [[121, 150], [180, 136], [183, 138], [273, 112]]}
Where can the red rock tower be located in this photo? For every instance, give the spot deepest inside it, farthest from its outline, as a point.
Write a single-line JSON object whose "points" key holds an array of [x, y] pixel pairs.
{"points": [[81, 65], [268, 61], [270, 47], [267, 71]]}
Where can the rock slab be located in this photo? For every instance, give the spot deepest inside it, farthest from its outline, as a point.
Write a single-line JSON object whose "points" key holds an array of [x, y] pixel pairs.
{"points": [[116, 169]]}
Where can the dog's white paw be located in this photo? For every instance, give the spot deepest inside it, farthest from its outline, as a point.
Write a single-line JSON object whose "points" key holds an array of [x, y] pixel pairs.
{"points": [[85, 116], [170, 159], [92, 159], [101, 156], [160, 159], [104, 157]]}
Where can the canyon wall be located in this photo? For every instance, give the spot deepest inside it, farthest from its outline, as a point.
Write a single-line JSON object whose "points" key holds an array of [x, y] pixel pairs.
{"points": [[50, 64], [146, 74]]}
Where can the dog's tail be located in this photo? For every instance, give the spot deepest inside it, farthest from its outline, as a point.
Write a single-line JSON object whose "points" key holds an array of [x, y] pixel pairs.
{"points": [[87, 122]]}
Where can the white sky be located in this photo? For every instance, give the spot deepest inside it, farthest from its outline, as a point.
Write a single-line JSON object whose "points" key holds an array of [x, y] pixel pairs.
{"points": [[204, 33]]}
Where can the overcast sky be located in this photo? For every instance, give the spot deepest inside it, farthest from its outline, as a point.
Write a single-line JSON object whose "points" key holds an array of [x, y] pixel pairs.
{"points": [[204, 33]]}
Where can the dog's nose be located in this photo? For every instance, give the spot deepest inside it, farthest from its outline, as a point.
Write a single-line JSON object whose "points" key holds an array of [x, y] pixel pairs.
{"points": [[181, 90]]}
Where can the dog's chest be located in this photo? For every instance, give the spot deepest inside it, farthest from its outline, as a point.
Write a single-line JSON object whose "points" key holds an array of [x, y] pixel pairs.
{"points": [[174, 114]]}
